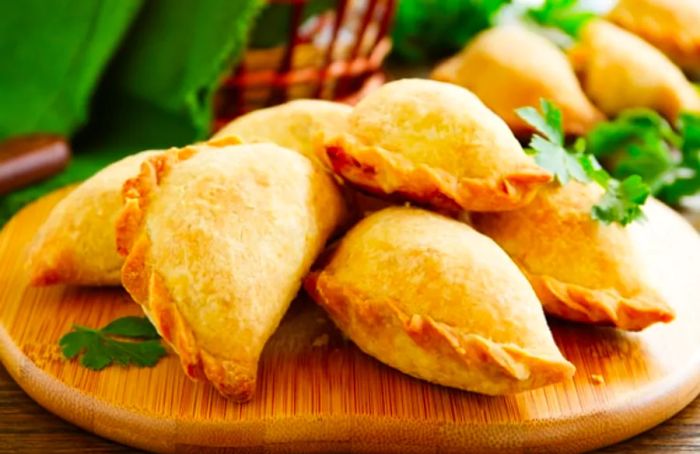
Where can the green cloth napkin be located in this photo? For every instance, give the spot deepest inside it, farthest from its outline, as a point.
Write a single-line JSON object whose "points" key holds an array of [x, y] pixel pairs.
{"points": [[156, 92], [52, 55]]}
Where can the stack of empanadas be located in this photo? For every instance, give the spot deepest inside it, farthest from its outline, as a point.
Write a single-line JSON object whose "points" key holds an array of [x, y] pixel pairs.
{"points": [[218, 236]]}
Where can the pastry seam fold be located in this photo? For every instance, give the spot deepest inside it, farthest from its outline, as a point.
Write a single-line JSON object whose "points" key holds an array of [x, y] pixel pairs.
{"points": [[511, 361], [381, 171], [147, 288], [598, 306]]}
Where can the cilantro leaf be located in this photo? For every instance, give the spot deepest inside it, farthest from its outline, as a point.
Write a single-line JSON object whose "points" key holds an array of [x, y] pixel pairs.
{"points": [[622, 201], [131, 327], [638, 142], [100, 348], [549, 125], [565, 15], [641, 142]]}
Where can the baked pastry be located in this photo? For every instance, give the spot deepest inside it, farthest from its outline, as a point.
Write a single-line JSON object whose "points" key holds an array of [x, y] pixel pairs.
{"points": [[509, 67], [581, 269], [435, 299], [295, 124], [433, 143], [620, 71], [76, 243], [217, 240], [670, 25]]}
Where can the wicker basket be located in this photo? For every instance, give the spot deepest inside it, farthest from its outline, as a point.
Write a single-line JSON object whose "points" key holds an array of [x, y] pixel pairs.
{"points": [[334, 55]]}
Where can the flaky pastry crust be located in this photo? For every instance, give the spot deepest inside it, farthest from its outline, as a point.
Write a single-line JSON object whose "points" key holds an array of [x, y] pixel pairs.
{"points": [[434, 144], [75, 245], [582, 270], [191, 229], [517, 68], [294, 124], [433, 298], [622, 71]]}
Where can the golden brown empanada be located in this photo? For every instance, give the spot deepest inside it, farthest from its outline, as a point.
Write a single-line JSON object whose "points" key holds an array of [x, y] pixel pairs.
{"points": [[294, 125], [218, 241], [620, 71], [671, 25], [437, 300], [76, 244], [434, 143], [581, 269], [509, 67]]}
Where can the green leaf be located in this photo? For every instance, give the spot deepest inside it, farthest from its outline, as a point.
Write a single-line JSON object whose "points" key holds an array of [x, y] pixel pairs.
{"points": [[74, 342], [689, 127], [594, 171], [622, 202], [565, 15], [547, 145], [548, 125], [100, 349], [131, 327], [96, 356], [683, 186]]}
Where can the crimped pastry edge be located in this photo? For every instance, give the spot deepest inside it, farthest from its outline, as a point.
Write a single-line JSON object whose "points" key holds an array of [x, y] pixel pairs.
{"points": [[606, 307], [233, 379], [380, 171], [519, 369]]}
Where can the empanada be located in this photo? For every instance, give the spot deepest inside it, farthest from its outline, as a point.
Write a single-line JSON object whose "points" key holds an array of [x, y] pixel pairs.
{"points": [[620, 71], [581, 269], [76, 244], [218, 241], [295, 124], [509, 67], [671, 25], [437, 300], [434, 143]]}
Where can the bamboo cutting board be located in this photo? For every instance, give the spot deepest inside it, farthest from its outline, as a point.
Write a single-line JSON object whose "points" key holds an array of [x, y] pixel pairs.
{"points": [[318, 393]]}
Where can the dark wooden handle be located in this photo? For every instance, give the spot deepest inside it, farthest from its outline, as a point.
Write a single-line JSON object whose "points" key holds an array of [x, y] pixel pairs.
{"points": [[31, 158]]}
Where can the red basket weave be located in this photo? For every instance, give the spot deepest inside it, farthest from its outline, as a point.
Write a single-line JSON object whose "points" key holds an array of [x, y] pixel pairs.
{"points": [[335, 55]]}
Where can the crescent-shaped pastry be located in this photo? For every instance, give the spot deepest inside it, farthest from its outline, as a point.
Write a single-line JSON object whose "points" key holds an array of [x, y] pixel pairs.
{"points": [[509, 67], [295, 124], [76, 243], [621, 71], [433, 143], [437, 300], [218, 240], [670, 25], [581, 269]]}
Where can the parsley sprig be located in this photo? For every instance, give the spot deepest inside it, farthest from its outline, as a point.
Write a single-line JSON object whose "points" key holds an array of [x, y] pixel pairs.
{"points": [[641, 142], [622, 201], [102, 347]]}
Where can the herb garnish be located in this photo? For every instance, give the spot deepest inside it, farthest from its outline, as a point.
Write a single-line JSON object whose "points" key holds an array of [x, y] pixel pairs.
{"points": [[641, 142], [622, 201], [566, 15], [101, 347]]}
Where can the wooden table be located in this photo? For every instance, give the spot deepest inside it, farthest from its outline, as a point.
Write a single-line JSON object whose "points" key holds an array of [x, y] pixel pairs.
{"points": [[26, 427]]}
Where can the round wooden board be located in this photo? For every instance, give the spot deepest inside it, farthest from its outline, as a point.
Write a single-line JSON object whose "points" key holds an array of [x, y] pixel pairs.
{"points": [[318, 393]]}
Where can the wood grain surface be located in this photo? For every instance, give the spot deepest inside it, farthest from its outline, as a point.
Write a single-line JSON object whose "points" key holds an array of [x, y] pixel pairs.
{"points": [[25, 427], [317, 392]]}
